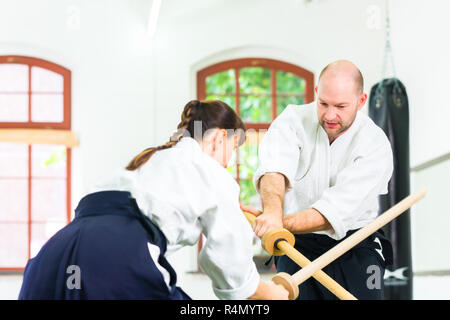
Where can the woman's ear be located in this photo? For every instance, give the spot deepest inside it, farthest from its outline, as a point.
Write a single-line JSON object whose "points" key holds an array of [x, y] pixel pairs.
{"points": [[223, 135], [215, 139], [220, 136], [236, 141]]}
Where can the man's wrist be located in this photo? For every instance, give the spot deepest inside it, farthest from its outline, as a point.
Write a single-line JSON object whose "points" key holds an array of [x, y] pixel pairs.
{"points": [[273, 211]]}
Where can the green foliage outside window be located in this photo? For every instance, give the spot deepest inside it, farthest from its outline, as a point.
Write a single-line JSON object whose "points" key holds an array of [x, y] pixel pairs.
{"points": [[56, 157], [255, 104]]}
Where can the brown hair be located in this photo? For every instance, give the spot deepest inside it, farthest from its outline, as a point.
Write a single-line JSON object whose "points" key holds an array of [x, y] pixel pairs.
{"points": [[211, 113]]}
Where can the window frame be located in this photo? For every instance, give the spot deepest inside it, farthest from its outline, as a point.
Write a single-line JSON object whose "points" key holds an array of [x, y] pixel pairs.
{"points": [[64, 72], [64, 125], [272, 64]]}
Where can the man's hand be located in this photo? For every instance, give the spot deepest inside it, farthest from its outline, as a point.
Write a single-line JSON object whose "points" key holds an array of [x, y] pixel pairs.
{"points": [[272, 187]]}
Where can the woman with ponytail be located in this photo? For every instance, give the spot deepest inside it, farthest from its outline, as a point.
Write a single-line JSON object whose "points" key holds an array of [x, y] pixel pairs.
{"points": [[167, 196]]}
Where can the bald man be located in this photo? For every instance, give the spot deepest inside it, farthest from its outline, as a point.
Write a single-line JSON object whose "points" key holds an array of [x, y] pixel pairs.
{"points": [[321, 169]]}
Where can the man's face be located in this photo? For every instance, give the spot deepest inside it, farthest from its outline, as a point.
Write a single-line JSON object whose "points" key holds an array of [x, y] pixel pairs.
{"points": [[338, 102]]}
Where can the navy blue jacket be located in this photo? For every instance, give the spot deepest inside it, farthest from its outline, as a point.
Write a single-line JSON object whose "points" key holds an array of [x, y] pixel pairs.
{"points": [[102, 254]]}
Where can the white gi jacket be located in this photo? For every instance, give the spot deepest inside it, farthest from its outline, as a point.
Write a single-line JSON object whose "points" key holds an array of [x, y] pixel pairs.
{"points": [[185, 192], [342, 180]]}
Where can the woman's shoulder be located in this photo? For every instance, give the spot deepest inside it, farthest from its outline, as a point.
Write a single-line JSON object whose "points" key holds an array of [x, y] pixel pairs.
{"points": [[186, 159]]}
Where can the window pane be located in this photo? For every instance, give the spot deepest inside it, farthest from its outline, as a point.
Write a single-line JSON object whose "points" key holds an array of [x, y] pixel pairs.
{"points": [[13, 244], [289, 83], [256, 109], [13, 78], [13, 200], [248, 162], [249, 195], [48, 161], [254, 80], [41, 232], [221, 82], [43, 80], [229, 100], [232, 165], [13, 107], [13, 160], [48, 200], [47, 108], [282, 102]]}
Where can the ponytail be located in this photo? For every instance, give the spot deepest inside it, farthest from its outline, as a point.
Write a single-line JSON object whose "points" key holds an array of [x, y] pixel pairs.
{"points": [[212, 114]]}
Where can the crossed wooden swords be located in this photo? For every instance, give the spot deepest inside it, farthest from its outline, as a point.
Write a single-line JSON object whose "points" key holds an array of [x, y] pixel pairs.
{"points": [[280, 242]]}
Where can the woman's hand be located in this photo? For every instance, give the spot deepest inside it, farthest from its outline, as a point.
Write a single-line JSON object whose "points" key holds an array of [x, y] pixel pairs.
{"points": [[278, 291], [270, 291], [264, 221], [252, 210]]}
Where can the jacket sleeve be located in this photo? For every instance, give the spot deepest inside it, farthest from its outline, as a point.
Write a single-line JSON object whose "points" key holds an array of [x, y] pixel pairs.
{"points": [[227, 255], [279, 151]]}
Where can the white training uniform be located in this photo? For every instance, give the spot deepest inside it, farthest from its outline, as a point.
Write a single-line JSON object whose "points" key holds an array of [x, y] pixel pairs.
{"points": [[185, 192], [342, 180]]}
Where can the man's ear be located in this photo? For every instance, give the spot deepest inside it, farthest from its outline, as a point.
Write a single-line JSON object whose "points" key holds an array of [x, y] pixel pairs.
{"points": [[362, 100]]}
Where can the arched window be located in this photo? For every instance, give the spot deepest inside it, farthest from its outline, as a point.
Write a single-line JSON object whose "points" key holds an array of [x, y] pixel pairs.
{"points": [[35, 159], [258, 90]]}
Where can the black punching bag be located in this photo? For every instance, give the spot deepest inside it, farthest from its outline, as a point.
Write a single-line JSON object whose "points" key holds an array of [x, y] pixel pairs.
{"points": [[388, 108]]}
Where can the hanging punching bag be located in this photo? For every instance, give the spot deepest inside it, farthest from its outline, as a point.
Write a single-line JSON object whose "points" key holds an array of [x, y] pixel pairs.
{"points": [[388, 107]]}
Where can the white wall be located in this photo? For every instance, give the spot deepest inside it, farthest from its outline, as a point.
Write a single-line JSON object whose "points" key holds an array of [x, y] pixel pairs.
{"points": [[419, 32], [309, 35], [109, 54], [421, 48], [431, 220]]}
